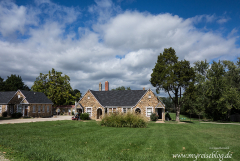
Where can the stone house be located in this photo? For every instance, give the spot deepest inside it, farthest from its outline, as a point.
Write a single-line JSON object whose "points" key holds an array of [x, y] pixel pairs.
{"points": [[29, 103], [99, 103]]}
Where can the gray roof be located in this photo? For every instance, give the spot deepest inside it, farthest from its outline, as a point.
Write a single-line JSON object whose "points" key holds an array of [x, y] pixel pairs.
{"points": [[35, 97], [119, 98], [6, 96]]}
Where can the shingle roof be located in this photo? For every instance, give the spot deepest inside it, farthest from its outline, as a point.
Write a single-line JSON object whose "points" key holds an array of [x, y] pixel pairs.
{"points": [[35, 97], [6, 96], [119, 98]]}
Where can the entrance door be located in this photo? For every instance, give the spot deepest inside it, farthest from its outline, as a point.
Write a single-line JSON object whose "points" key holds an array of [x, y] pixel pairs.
{"points": [[26, 111], [99, 113], [159, 113]]}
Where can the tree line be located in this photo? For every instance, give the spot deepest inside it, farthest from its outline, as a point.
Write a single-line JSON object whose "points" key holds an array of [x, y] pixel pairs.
{"points": [[209, 89], [54, 85]]}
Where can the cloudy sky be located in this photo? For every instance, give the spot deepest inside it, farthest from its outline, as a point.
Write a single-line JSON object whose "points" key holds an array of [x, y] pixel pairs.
{"points": [[116, 41]]}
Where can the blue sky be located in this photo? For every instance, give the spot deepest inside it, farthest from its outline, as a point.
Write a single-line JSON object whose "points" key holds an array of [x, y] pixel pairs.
{"points": [[116, 41]]}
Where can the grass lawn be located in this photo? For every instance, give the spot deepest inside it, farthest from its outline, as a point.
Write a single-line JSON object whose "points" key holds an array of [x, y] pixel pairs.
{"points": [[74, 140]]}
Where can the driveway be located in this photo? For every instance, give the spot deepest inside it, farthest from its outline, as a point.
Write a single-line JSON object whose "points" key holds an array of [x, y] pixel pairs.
{"points": [[54, 118]]}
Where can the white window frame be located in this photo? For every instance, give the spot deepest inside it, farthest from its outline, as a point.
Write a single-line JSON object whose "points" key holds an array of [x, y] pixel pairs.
{"points": [[43, 108], [127, 109], [0, 108], [19, 96], [90, 111], [6, 107], [34, 109], [47, 108], [147, 111], [39, 108], [18, 108]]}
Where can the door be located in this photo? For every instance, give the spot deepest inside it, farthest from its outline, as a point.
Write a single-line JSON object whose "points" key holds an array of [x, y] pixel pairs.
{"points": [[99, 113], [26, 111], [159, 113]]}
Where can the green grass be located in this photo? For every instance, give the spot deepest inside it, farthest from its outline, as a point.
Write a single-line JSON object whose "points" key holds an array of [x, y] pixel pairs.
{"points": [[183, 117], [77, 140]]}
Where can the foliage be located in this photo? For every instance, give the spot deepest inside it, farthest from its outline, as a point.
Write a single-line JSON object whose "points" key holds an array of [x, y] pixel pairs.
{"points": [[16, 115], [129, 119], [4, 114], [121, 88], [172, 76], [56, 87], [216, 91], [84, 116], [168, 116], [169, 105], [2, 84], [154, 117], [72, 113], [13, 83]]}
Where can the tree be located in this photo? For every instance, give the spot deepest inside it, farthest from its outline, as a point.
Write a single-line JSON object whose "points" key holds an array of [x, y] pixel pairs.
{"points": [[76, 94], [121, 88], [56, 87], [172, 76], [13, 83], [2, 84], [195, 101]]}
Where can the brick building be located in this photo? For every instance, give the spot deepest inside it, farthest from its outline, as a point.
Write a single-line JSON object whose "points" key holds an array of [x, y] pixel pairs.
{"points": [[99, 103], [29, 103]]}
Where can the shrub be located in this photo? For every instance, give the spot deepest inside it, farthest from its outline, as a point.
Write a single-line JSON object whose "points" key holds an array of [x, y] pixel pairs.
{"points": [[84, 116], [4, 114], [72, 113], [154, 117], [17, 115], [168, 116], [130, 119]]}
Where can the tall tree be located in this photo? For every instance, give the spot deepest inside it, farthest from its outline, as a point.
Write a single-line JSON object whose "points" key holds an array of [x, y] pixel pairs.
{"points": [[121, 88], [13, 83], [55, 86], [2, 84], [172, 76]]}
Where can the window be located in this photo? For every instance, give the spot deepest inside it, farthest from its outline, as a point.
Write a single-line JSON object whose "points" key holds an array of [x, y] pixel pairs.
{"points": [[34, 109], [19, 96], [88, 97], [47, 108], [0, 108], [20, 108], [39, 108], [114, 110], [89, 111], [43, 108], [149, 111], [125, 110], [6, 107], [149, 96]]}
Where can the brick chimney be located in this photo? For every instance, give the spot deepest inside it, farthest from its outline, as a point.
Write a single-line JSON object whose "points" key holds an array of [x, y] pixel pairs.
{"points": [[100, 86], [106, 86], [144, 88]]}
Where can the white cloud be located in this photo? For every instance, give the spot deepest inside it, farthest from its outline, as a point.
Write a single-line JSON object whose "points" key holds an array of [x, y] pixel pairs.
{"points": [[89, 54]]}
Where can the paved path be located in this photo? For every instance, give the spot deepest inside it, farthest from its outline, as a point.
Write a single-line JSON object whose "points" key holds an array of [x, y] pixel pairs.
{"points": [[13, 121], [221, 123]]}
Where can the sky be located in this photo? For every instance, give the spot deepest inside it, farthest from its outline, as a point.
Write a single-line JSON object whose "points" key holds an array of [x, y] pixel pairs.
{"points": [[116, 41]]}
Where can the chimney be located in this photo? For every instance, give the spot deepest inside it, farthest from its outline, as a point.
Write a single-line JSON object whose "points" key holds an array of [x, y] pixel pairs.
{"points": [[100, 86], [106, 86], [144, 88]]}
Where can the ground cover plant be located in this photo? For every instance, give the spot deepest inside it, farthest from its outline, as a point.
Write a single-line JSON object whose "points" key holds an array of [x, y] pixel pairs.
{"points": [[78, 140], [129, 119]]}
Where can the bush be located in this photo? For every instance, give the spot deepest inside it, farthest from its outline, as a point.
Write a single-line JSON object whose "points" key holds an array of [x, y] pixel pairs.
{"points": [[72, 113], [154, 117], [84, 116], [4, 114], [130, 119], [168, 116], [17, 115]]}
